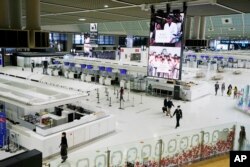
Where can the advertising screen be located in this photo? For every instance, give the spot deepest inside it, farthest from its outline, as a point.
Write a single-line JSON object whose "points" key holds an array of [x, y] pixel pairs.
{"points": [[164, 62], [166, 30], [166, 34]]}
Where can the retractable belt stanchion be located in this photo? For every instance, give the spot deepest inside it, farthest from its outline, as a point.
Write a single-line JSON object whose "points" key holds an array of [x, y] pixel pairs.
{"points": [[133, 102], [120, 104], [128, 97], [98, 98], [141, 98], [88, 92], [110, 102], [117, 94], [107, 94], [114, 90]]}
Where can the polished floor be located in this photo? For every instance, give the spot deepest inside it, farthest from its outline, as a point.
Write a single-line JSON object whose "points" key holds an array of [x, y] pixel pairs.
{"points": [[146, 120], [221, 161]]}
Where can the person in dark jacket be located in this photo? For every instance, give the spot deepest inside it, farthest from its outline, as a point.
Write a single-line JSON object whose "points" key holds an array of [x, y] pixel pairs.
{"points": [[216, 86], [164, 108], [169, 106], [229, 90], [64, 147], [242, 138], [178, 113], [121, 93]]}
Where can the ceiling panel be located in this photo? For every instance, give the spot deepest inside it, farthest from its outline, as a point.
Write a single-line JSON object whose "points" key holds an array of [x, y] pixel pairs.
{"points": [[102, 16], [85, 4], [115, 26], [208, 10], [55, 9], [143, 1], [241, 5], [130, 25], [135, 12], [127, 16]]}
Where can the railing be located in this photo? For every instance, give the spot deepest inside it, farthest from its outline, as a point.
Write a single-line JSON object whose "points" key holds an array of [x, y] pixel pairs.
{"points": [[170, 150]]}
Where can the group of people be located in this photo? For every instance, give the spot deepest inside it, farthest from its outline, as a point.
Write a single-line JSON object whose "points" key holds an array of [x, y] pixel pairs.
{"points": [[230, 89], [164, 65], [167, 105]]}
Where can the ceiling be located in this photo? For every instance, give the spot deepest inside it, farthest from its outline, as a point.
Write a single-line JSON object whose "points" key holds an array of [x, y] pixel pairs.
{"points": [[132, 16]]}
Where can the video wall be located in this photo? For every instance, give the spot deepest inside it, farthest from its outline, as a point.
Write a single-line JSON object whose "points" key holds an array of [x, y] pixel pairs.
{"points": [[166, 33]]}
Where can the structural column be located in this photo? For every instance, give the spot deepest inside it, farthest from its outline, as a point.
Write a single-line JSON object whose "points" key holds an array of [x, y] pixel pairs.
{"points": [[188, 28], [196, 29], [4, 14], [33, 21], [15, 14], [69, 42], [202, 27]]}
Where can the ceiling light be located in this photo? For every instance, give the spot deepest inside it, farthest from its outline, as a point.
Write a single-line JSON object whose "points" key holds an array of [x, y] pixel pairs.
{"points": [[106, 6], [81, 19]]}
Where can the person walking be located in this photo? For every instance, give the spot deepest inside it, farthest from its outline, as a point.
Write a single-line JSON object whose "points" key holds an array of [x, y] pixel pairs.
{"points": [[242, 138], [64, 147], [229, 90], [169, 106], [223, 87], [178, 113], [235, 92], [165, 104], [121, 93], [217, 86]]}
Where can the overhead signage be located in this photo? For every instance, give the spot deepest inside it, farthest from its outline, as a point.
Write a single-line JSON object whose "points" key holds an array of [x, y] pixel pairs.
{"points": [[93, 35], [93, 27]]}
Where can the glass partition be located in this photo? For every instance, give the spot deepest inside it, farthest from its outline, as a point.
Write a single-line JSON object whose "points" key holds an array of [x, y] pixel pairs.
{"points": [[170, 150], [144, 152]]}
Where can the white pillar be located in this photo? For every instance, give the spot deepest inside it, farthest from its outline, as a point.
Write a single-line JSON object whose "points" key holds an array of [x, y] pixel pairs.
{"points": [[196, 27], [4, 14], [33, 21], [203, 28], [15, 14], [188, 28]]}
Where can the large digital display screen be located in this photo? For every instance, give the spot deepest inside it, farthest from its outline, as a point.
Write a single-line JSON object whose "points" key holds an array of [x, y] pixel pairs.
{"points": [[166, 30], [166, 33], [164, 62]]}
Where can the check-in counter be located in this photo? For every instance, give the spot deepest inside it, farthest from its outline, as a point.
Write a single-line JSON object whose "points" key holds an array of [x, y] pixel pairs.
{"points": [[101, 80], [108, 81], [89, 78], [194, 91], [83, 77], [78, 134]]}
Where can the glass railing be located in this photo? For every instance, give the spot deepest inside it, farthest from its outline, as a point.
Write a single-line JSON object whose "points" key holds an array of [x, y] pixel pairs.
{"points": [[170, 150]]}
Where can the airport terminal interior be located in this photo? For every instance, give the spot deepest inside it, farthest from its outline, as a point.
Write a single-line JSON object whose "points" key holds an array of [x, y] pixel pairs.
{"points": [[124, 83]]}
